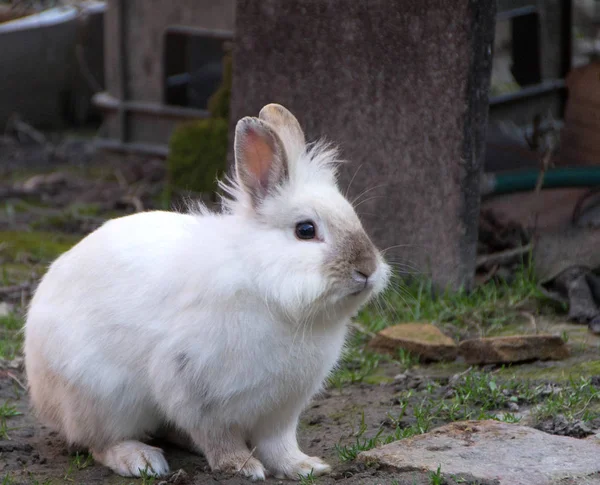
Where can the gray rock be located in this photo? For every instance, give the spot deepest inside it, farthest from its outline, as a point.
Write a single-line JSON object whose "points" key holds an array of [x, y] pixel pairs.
{"points": [[491, 450]]}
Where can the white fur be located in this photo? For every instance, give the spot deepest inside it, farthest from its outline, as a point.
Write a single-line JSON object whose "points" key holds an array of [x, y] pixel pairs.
{"points": [[221, 325]]}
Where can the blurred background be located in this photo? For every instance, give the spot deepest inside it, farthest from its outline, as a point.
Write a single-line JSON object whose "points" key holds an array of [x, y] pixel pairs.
{"points": [[472, 128], [108, 108]]}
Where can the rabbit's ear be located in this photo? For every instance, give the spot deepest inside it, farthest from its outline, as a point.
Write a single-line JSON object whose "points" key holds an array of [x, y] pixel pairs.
{"points": [[286, 126], [260, 160]]}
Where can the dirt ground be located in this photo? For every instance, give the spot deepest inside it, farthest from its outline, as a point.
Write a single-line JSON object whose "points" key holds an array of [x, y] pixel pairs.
{"points": [[91, 187], [35, 454]]}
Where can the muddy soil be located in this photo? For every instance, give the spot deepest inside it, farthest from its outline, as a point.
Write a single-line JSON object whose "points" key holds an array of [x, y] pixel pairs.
{"points": [[34, 454]]}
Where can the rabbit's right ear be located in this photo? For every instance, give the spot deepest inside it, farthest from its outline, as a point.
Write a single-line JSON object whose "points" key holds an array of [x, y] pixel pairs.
{"points": [[287, 127], [260, 160]]}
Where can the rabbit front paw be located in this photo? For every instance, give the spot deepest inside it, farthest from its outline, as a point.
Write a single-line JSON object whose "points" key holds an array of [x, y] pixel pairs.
{"points": [[310, 465], [133, 458], [248, 467]]}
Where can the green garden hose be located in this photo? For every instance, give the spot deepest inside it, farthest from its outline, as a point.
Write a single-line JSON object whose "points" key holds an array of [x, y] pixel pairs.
{"points": [[524, 180]]}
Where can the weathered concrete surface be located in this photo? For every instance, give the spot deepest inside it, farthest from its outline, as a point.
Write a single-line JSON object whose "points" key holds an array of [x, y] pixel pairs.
{"points": [[490, 450], [402, 86], [512, 349], [421, 339]]}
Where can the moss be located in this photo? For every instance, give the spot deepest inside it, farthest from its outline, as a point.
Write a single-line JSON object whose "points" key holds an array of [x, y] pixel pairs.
{"points": [[10, 336], [378, 379], [197, 156], [558, 372], [39, 246], [218, 104], [198, 149], [15, 273]]}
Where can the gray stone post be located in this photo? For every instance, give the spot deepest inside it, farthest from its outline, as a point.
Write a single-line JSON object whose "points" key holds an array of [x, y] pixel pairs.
{"points": [[403, 87]]}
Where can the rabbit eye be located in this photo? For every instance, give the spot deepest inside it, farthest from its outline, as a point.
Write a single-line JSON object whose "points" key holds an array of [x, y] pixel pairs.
{"points": [[306, 230]]}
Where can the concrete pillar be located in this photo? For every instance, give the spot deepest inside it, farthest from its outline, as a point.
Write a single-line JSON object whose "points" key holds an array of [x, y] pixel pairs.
{"points": [[402, 86]]}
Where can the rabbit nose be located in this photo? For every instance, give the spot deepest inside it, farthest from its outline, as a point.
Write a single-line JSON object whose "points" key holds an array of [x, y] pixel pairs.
{"points": [[360, 277]]}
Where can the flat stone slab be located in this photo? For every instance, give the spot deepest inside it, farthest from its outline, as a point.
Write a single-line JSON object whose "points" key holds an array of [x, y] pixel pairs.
{"points": [[491, 450], [421, 339], [516, 348]]}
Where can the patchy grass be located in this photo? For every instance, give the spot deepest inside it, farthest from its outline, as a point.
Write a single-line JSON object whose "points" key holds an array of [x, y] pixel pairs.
{"points": [[577, 400], [34, 247], [488, 307], [476, 396], [7, 411], [78, 462], [8, 480], [147, 477], [435, 478], [307, 479], [10, 336], [357, 365]]}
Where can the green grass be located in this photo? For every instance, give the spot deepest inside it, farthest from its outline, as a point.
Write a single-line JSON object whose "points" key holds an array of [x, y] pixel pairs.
{"points": [[357, 364], [435, 478], [11, 336], [307, 479], [476, 396], [7, 411], [577, 400], [8, 480], [147, 477], [34, 247], [488, 306], [78, 462], [488, 309]]}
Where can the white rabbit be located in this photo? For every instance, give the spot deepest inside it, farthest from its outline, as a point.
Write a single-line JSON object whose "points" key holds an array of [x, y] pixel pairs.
{"points": [[220, 326]]}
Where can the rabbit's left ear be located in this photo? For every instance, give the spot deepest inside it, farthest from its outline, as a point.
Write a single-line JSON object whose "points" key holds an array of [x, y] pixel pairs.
{"points": [[287, 127], [260, 160]]}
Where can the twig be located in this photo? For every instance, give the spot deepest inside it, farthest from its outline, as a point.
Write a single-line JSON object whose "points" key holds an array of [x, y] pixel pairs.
{"points": [[16, 379], [247, 460], [503, 257], [456, 377], [121, 179], [578, 209], [489, 275], [359, 328], [22, 127], [540, 181], [134, 201], [9, 290], [532, 320], [582, 410]]}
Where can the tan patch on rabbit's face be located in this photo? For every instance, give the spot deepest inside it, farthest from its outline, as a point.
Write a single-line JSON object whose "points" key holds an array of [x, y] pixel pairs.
{"points": [[352, 262]]}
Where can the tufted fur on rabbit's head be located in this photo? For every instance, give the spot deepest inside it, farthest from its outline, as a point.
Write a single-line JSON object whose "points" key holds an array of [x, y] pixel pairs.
{"points": [[314, 251]]}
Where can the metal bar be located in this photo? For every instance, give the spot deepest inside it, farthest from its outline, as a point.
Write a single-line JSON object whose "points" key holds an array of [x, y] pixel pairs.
{"points": [[107, 102], [214, 33], [123, 94], [566, 46], [112, 144], [516, 12], [545, 87]]}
